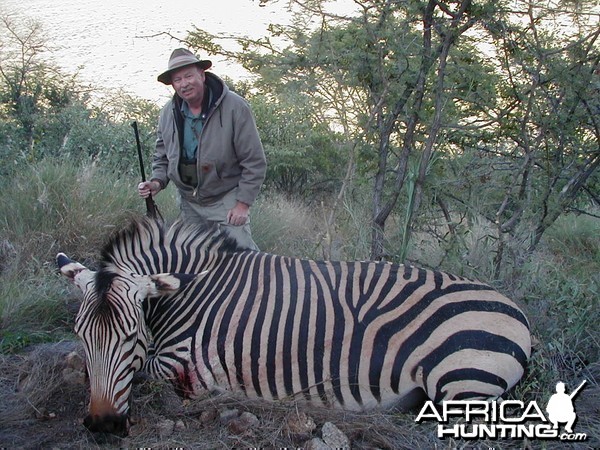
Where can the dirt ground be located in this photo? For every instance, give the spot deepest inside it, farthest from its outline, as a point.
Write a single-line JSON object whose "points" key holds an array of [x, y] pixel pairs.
{"points": [[44, 396]]}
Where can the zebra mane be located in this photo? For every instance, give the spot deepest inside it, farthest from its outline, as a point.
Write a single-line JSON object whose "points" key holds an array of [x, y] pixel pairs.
{"points": [[147, 247]]}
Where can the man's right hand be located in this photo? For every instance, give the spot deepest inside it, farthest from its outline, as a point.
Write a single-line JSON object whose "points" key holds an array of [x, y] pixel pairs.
{"points": [[147, 188]]}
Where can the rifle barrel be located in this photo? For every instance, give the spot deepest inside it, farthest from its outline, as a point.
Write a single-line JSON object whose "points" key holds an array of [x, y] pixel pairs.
{"points": [[139, 149], [151, 208], [576, 391]]}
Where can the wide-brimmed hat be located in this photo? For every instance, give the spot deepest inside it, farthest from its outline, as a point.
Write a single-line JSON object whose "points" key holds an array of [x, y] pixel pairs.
{"points": [[182, 57]]}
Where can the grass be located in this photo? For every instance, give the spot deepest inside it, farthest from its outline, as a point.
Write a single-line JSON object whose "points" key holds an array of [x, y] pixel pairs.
{"points": [[285, 226], [34, 309], [564, 279], [55, 208]]}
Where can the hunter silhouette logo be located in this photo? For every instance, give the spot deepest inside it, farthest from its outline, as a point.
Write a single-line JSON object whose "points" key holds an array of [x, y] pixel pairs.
{"points": [[502, 419], [560, 407]]}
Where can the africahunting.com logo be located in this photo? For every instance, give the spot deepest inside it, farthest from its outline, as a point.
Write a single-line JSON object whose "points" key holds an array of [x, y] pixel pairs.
{"points": [[507, 419]]}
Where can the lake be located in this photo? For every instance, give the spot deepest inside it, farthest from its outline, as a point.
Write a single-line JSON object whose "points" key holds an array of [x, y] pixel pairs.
{"points": [[114, 43]]}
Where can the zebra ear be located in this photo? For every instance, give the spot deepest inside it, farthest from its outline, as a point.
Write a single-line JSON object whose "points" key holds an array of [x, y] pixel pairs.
{"points": [[168, 283], [80, 275], [68, 267]]}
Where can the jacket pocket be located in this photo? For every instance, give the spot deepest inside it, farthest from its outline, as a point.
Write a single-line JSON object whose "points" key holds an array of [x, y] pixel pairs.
{"points": [[209, 174]]}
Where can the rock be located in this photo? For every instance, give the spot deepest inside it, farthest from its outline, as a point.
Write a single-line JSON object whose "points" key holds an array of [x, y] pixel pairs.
{"points": [[315, 444], [180, 425], [71, 376], [300, 426], [333, 436], [208, 416], [245, 422], [228, 415], [137, 428], [41, 413], [75, 362], [74, 371], [165, 427]]}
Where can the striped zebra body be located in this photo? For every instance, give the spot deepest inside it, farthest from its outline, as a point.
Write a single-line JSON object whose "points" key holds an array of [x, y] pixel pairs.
{"points": [[353, 335]]}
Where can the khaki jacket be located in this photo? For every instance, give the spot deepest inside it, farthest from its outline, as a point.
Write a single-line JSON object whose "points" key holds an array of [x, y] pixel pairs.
{"points": [[230, 153]]}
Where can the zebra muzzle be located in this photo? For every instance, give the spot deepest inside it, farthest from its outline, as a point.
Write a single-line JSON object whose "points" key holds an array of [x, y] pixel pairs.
{"points": [[112, 423]]}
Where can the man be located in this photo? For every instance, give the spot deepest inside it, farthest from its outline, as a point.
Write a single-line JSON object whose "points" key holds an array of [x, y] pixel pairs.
{"points": [[208, 146], [560, 408]]}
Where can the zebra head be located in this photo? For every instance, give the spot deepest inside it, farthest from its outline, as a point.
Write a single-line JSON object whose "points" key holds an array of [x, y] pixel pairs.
{"points": [[135, 265], [111, 325]]}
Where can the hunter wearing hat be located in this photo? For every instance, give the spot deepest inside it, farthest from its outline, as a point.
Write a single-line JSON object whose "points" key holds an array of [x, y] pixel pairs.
{"points": [[208, 146]]}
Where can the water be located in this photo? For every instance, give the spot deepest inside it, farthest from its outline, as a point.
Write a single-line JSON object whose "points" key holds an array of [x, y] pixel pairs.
{"points": [[115, 44]]}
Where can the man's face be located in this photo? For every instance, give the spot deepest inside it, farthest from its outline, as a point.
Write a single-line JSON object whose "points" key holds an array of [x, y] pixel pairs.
{"points": [[188, 82]]}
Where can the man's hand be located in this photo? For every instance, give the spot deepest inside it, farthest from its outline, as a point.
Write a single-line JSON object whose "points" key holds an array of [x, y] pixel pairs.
{"points": [[238, 215], [147, 188]]}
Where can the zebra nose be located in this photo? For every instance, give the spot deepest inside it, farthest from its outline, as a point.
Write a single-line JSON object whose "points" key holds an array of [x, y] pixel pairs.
{"points": [[113, 424]]}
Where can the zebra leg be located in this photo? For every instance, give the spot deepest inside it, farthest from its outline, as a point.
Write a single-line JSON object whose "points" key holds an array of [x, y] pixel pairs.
{"points": [[174, 370]]}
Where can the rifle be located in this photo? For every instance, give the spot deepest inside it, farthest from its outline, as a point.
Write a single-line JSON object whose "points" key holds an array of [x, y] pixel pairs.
{"points": [[576, 391], [151, 208]]}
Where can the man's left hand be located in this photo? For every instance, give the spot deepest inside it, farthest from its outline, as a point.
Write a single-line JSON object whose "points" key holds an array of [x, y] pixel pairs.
{"points": [[238, 215]]}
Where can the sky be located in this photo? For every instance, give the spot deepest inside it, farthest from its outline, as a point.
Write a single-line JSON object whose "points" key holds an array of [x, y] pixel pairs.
{"points": [[114, 44]]}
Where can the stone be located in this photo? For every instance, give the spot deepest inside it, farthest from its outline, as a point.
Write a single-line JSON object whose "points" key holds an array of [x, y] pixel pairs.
{"points": [[72, 376], [208, 416], [180, 425], [300, 426], [245, 422], [316, 444], [165, 427], [334, 437], [75, 362], [228, 415]]}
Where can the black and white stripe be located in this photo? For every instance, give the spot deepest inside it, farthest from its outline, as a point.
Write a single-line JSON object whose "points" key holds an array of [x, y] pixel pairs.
{"points": [[351, 334], [354, 335]]}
